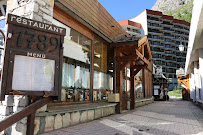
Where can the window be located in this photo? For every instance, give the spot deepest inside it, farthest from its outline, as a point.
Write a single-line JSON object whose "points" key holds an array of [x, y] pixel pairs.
{"points": [[139, 91], [103, 81], [3, 10], [126, 82], [76, 70]]}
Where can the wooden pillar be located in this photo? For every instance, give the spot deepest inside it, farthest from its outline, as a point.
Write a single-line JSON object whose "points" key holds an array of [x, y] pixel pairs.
{"points": [[117, 77], [132, 86], [143, 82], [92, 70]]}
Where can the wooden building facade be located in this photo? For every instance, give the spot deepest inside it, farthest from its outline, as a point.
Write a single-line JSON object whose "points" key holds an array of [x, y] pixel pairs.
{"points": [[99, 58], [91, 75]]}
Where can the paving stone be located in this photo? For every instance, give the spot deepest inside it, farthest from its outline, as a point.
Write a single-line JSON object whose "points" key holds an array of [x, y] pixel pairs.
{"points": [[175, 117]]}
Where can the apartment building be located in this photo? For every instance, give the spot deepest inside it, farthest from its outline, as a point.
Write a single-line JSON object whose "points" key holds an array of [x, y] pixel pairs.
{"points": [[165, 34], [132, 28]]}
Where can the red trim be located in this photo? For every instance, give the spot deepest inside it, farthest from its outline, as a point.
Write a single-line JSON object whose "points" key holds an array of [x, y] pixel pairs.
{"points": [[128, 22], [158, 13]]}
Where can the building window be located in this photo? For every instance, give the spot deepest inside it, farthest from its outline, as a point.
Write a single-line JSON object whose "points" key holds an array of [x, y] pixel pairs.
{"points": [[76, 68], [103, 81], [3, 10], [139, 91]]}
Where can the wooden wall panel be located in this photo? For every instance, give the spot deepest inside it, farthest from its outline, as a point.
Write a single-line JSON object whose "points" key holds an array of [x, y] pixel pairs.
{"points": [[71, 22], [147, 83], [96, 15]]}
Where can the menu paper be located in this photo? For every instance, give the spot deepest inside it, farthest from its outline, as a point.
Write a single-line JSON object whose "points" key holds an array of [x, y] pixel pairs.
{"points": [[33, 74]]}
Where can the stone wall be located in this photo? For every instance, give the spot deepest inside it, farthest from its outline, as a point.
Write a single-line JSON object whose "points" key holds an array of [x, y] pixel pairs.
{"points": [[11, 105], [39, 10], [143, 102], [52, 120]]}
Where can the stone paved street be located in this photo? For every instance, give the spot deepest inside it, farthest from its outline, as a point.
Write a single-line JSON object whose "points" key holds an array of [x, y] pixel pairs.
{"points": [[174, 117]]}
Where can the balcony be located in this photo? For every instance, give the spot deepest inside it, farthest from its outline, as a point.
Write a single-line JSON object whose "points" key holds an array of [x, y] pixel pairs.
{"points": [[155, 39], [183, 39], [154, 21], [154, 27], [171, 60], [171, 49], [155, 33], [181, 35], [170, 54], [167, 30], [155, 45], [183, 30], [162, 59], [157, 52], [167, 25], [170, 37]]}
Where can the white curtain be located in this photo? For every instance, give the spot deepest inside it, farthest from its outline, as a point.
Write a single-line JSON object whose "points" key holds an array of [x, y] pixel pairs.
{"points": [[85, 77], [78, 78], [68, 75]]}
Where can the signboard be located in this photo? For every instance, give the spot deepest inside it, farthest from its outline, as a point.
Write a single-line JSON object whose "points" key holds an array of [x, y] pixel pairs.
{"points": [[32, 58], [156, 92]]}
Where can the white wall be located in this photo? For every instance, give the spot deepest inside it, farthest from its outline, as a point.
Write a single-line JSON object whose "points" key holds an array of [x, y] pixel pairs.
{"points": [[142, 19], [195, 35]]}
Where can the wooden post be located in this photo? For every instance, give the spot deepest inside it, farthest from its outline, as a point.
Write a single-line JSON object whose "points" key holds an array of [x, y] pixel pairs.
{"points": [[117, 77], [132, 86], [31, 118], [30, 124], [24, 113], [92, 70]]}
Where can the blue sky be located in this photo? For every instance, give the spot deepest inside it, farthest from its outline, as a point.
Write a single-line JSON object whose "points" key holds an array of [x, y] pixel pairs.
{"points": [[126, 9]]}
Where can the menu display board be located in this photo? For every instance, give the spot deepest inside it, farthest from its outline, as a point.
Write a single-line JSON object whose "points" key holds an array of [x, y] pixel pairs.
{"points": [[32, 58], [32, 74]]}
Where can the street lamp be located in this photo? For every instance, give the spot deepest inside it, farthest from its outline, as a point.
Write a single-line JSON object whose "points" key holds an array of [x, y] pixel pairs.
{"points": [[181, 47]]}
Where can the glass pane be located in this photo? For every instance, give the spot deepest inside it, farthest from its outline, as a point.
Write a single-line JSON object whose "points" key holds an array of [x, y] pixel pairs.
{"points": [[139, 93], [76, 67], [33, 74], [102, 81]]}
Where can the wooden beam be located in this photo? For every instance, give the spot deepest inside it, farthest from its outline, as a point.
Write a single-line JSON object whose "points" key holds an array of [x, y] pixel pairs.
{"points": [[142, 41], [132, 86], [149, 50], [143, 52], [30, 124], [124, 64], [139, 68], [24, 113], [124, 44], [142, 57], [129, 58]]}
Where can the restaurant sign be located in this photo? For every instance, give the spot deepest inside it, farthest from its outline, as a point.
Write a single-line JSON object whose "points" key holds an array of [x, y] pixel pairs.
{"points": [[32, 58]]}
